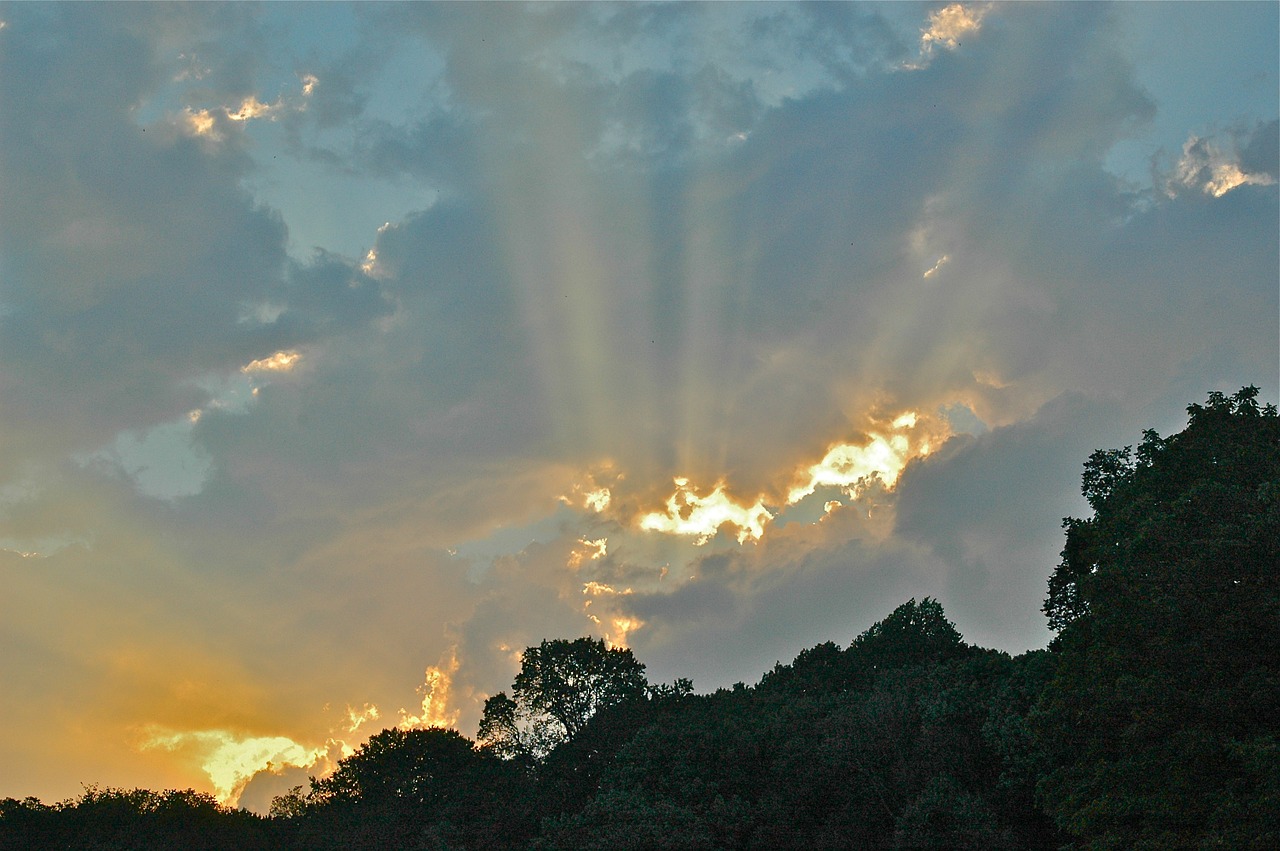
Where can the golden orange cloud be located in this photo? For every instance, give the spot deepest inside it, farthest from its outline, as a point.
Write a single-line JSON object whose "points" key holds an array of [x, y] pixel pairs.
{"points": [[436, 693], [281, 361], [701, 516], [231, 760]]}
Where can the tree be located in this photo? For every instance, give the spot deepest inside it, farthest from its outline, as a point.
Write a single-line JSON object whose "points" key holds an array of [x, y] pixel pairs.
{"points": [[417, 768], [561, 684], [1165, 700], [109, 818], [500, 728], [946, 816], [422, 788], [912, 634]]}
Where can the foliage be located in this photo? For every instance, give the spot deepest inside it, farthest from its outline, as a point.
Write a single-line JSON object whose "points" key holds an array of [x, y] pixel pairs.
{"points": [[415, 767], [947, 816], [914, 633], [1167, 600], [421, 788], [561, 684], [792, 764], [110, 819]]}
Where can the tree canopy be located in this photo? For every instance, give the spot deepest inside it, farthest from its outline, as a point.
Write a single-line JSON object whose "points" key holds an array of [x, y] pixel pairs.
{"points": [[561, 684], [1164, 712]]}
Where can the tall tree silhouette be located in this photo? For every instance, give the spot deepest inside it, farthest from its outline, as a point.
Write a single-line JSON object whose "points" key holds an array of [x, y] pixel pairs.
{"points": [[1164, 713], [561, 684]]}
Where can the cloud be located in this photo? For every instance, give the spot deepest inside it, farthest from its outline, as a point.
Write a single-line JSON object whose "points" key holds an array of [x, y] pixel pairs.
{"points": [[231, 761], [947, 26], [281, 361], [701, 516], [436, 695], [1207, 167]]}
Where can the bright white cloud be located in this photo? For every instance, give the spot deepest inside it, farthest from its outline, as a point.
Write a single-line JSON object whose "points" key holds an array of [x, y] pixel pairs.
{"points": [[933, 270], [436, 691], [1205, 166], [282, 361], [881, 456], [232, 760], [948, 26], [701, 516]]}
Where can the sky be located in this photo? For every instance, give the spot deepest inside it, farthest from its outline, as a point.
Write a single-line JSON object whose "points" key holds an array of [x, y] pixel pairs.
{"points": [[348, 350]]}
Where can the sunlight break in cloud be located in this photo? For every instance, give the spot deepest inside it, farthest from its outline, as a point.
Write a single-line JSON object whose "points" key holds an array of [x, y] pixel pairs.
{"points": [[283, 361], [622, 627], [231, 761], [942, 261], [948, 25], [204, 122], [357, 718], [597, 500], [1207, 167], [435, 692], [588, 550], [851, 466], [371, 265], [199, 123], [614, 627], [251, 108], [589, 493], [702, 516]]}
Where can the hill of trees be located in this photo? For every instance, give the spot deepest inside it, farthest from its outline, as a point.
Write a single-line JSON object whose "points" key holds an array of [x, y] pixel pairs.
{"points": [[1151, 721]]}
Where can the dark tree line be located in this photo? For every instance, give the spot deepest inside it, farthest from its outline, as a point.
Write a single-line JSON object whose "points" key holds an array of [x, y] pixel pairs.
{"points": [[1151, 721]]}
